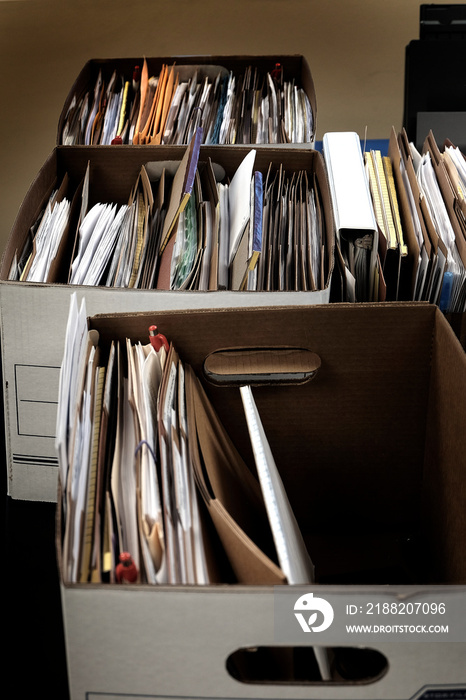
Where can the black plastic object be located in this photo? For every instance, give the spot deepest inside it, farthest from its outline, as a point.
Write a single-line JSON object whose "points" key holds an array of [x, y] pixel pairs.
{"points": [[434, 71]]}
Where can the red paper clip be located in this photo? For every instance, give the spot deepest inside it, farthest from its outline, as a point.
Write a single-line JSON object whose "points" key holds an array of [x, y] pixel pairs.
{"points": [[136, 78], [126, 571], [157, 340], [276, 72]]}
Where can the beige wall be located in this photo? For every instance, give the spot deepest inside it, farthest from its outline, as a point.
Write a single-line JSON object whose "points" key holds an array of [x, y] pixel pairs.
{"points": [[355, 49]]}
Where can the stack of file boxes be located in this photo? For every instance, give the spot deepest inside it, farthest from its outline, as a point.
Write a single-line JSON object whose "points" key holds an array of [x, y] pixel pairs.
{"points": [[31, 371], [373, 478]]}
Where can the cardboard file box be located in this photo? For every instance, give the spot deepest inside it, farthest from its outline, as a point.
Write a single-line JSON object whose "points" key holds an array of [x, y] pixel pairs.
{"points": [[39, 311], [295, 68], [371, 453]]}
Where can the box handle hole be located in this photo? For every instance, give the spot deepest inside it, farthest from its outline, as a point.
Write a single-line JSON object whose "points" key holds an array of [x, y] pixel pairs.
{"points": [[298, 666], [257, 366]]}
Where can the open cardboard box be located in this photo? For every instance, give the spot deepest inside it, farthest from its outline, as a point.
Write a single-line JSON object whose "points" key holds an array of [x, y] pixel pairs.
{"points": [[295, 67], [372, 455], [39, 311]]}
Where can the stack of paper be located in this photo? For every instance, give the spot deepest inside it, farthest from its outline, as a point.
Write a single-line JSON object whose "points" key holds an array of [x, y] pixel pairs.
{"points": [[44, 249], [402, 234], [435, 237], [186, 226], [255, 107], [144, 460]]}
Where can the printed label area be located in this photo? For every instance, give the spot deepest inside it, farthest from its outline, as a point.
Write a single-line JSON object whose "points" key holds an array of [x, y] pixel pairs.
{"points": [[36, 399]]}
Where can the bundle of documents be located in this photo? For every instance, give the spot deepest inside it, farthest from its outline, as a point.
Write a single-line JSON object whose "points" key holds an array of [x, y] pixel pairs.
{"points": [[144, 459], [407, 216], [41, 257], [153, 489], [186, 226], [255, 107]]}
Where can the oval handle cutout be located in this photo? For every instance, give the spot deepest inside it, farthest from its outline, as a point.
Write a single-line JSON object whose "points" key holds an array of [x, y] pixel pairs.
{"points": [[298, 666], [258, 366]]}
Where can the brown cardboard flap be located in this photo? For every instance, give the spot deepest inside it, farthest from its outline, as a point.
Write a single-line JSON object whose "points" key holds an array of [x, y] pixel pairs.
{"points": [[231, 493], [410, 264], [36, 198], [444, 493]]}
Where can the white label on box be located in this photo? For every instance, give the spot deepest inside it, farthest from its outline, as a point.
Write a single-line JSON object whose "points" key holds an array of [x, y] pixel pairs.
{"points": [[36, 399]]}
